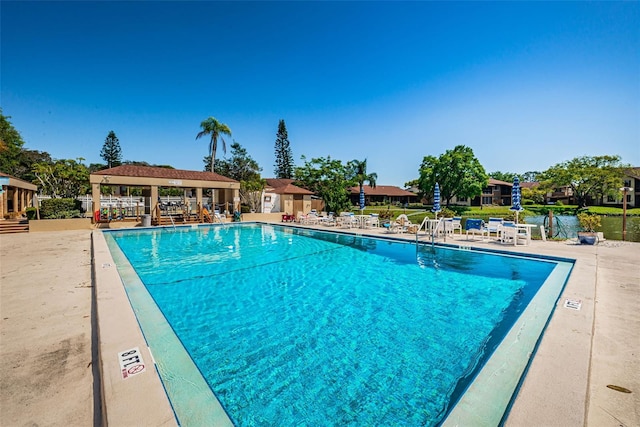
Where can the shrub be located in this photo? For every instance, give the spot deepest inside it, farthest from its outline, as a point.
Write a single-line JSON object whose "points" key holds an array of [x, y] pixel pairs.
{"points": [[385, 215], [589, 222], [446, 213], [31, 213], [60, 208], [459, 209]]}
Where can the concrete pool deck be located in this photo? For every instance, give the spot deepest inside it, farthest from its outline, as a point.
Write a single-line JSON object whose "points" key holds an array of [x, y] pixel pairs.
{"points": [[48, 374]]}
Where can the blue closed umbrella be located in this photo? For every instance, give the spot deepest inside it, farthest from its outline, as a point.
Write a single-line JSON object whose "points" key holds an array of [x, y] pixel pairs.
{"points": [[436, 200], [516, 197], [361, 198]]}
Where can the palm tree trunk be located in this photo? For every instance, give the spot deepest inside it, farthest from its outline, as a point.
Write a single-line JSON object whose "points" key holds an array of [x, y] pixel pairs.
{"points": [[213, 151]]}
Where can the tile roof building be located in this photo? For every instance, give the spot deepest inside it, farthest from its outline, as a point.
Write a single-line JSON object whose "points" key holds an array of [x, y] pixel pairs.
{"points": [[281, 195], [16, 195], [225, 190], [382, 194]]}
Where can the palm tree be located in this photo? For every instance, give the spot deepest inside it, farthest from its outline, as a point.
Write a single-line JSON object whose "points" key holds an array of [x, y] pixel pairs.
{"points": [[361, 175], [213, 127]]}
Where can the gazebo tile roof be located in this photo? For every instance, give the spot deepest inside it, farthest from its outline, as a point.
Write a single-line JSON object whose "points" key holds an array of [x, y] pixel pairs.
{"points": [[165, 173]]}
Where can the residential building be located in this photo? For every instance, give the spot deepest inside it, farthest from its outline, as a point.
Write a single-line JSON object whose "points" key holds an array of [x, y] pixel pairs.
{"points": [[383, 194], [281, 195], [495, 193], [630, 180]]}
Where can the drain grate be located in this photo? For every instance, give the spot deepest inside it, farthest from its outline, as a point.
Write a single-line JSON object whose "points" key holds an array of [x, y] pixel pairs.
{"points": [[573, 304]]}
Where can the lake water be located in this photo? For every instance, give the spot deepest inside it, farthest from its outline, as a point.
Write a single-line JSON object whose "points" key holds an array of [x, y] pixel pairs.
{"points": [[566, 226]]}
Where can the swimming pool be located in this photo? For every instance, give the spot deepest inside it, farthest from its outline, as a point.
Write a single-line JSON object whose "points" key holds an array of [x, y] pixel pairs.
{"points": [[290, 325]]}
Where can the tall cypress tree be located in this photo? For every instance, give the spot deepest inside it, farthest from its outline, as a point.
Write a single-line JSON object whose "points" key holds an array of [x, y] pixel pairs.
{"points": [[284, 157], [111, 152]]}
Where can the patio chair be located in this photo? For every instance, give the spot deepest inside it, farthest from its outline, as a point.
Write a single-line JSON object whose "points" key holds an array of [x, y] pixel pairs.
{"points": [[511, 235], [372, 221], [447, 226], [347, 220], [475, 226], [493, 226], [456, 223], [328, 220]]}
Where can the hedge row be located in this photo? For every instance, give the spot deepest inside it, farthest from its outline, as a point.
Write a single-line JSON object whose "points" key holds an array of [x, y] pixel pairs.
{"points": [[60, 208]]}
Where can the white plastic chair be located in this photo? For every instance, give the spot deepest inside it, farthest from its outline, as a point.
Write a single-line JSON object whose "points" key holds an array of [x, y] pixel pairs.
{"points": [[372, 221], [511, 235], [456, 223], [493, 226]]}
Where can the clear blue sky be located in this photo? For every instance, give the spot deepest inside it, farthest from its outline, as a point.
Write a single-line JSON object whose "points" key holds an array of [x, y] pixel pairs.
{"points": [[525, 85]]}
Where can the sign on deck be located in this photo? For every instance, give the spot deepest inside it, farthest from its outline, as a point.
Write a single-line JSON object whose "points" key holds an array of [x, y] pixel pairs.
{"points": [[131, 362]]}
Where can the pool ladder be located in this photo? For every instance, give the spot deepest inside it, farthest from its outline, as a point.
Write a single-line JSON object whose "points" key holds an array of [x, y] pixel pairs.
{"points": [[433, 232]]}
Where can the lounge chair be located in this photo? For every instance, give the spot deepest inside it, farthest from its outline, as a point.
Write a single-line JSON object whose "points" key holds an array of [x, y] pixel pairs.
{"points": [[400, 225], [311, 219], [219, 217], [475, 226], [328, 220]]}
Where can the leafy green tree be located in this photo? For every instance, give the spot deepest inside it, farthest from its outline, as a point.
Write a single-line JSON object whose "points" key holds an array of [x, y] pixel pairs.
{"points": [[412, 183], [62, 178], [503, 176], [95, 167], [360, 175], [215, 129], [327, 178], [10, 146], [111, 152], [251, 192], [240, 166], [244, 169], [15, 160], [531, 176], [26, 160], [535, 195], [458, 172], [415, 184], [284, 157], [587, 176]]}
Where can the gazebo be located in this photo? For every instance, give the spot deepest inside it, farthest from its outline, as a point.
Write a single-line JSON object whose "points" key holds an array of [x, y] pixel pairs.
{"points": [[225, 190], [16, 196]]}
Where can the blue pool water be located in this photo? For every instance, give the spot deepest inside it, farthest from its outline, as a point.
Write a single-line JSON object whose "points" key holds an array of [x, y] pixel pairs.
{"points": [[295, 327]]}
